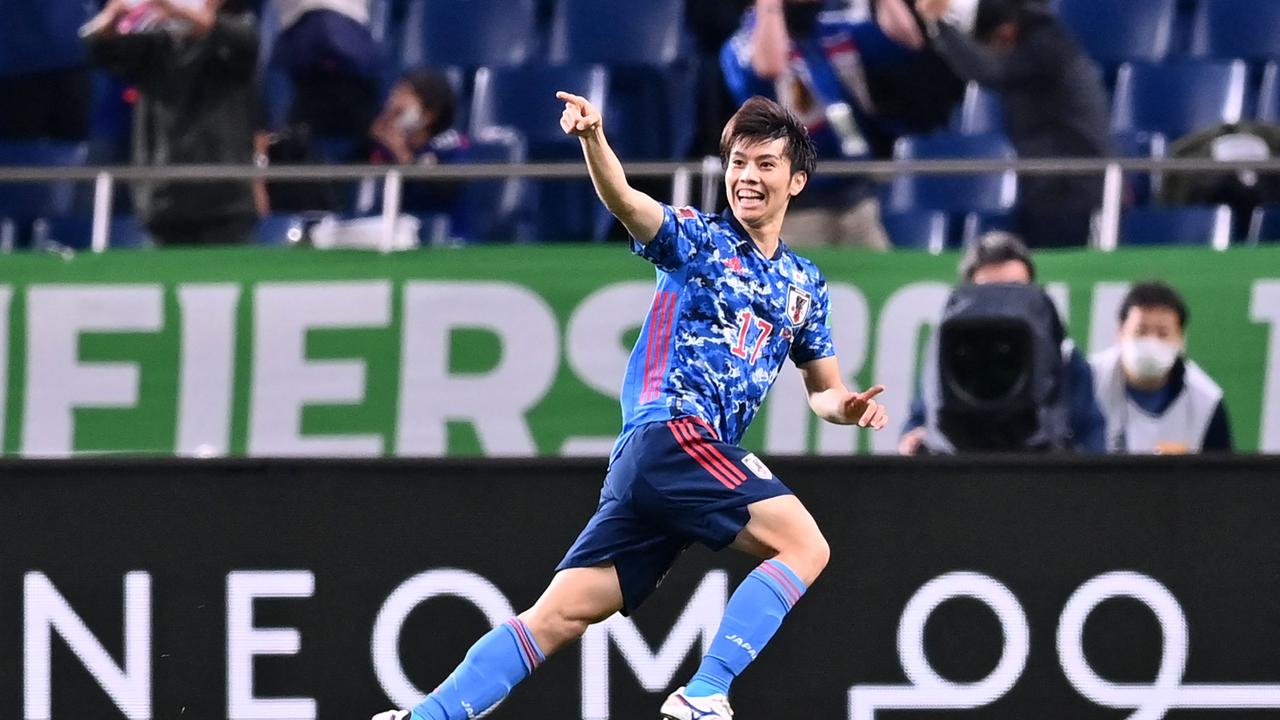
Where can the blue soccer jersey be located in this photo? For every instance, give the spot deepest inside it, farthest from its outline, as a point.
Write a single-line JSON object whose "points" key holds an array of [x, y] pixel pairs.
{"points": [[723, 320]]}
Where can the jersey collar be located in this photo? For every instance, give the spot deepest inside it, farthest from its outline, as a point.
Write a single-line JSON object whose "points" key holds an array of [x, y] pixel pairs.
{"points": [[744, 238]]}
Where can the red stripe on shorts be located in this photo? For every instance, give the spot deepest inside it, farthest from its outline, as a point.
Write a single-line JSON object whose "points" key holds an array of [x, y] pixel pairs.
{"points": [[708, 463]]}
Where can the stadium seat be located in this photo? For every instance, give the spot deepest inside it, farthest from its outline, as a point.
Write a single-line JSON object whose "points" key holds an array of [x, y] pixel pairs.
{"points": [[524, 99], [29, 200], [981, 112], [1247, 29], [1264, 227], [917, 229], [491, 210], [953, 193], [652, 95], [8, 235], [279, 229], [1178, 98], [1116, 31], [617, 32], [76, 233], [1209, 226], [1269, 94], [470, 33]]}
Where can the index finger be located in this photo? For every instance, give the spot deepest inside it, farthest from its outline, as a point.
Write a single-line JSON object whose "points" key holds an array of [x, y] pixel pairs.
{"points": [[578, 100], [868, 394]]}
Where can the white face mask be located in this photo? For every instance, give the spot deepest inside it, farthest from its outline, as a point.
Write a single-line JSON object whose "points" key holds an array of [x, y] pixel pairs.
{"points": [[409, 119], [1148, 358]]}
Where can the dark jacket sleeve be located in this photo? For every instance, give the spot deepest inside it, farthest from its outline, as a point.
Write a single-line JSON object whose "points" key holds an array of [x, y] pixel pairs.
{"points": [[1217, 437], [234, 39], [1038, 56], [1088, 426], [129, 56]]}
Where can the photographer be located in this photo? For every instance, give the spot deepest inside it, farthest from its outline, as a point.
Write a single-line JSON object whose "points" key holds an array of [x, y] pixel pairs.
{"points": [[1058, 410]]}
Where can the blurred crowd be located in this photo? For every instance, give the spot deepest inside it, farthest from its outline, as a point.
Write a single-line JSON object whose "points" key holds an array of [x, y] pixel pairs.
{"points": [[401, 82]]}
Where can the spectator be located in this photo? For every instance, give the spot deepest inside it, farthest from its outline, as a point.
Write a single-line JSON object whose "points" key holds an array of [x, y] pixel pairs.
{"points": [[854, 84], [44, 76], [416, 127], [1054, 106], [194, 67], [1154, 398], [1000, 257], [712, 22], [329, 54]]}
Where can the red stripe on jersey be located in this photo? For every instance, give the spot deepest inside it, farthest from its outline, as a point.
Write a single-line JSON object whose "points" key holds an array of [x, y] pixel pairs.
{"points": [[711, 453], [679, 430], [655, 312], [736, 473], [664, 343], [659, 343]]}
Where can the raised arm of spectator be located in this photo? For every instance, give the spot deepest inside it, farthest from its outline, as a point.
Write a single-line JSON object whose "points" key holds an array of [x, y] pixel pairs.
{"points": [[124, 55], [639, 213], [770, 43], [962, 53]]}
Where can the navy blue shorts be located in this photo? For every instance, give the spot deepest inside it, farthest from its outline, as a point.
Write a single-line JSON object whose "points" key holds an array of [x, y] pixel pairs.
{"points": [[673, 484]]}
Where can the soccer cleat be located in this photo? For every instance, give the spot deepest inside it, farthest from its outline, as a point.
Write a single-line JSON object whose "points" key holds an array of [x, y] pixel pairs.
{"points": [[392, 715], [681, 707]]}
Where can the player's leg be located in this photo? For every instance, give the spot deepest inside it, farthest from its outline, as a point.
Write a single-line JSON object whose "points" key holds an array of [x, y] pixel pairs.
{"points": [[781, 532], [506, 655]]}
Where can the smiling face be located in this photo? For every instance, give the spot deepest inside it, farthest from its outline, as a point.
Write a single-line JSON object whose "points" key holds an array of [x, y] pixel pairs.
{"points": [[758, 181]]}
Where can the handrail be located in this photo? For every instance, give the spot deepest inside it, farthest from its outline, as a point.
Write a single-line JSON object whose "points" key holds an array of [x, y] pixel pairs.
{"points": [[572, 170]]}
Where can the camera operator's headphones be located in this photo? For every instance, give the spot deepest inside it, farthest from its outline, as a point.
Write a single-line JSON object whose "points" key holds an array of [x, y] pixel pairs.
{"points": [[993, 248]]}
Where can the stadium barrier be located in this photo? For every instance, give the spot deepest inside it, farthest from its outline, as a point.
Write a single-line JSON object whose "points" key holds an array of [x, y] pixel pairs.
{"points": [[708, 170], [1010, 588], [501, 351]]}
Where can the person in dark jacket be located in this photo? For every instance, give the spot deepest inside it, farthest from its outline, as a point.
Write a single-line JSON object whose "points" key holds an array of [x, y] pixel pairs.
{"points": [[193, 62], [1000, 257], [1055, 105]]}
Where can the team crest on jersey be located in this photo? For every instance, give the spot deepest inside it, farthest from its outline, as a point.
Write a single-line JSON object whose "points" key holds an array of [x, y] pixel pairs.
{"points": [[755, 465], [798, 304], [686, 213]]}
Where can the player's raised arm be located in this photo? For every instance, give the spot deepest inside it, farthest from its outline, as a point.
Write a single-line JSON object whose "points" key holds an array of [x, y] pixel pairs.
{"points": [[639, 213], [833, 402]]}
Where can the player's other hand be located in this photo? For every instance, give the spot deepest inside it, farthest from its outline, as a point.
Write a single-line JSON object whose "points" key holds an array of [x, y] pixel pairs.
{"points": [[862, 409], [580, 118]]}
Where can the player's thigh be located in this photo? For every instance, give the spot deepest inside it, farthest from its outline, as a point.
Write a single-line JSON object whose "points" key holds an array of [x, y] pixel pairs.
{"points": [[782, 526], [575, 599]]}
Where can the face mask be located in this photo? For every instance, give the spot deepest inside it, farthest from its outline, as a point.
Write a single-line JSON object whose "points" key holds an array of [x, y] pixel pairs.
{"points": [[801, 18], [409, 119], [1148, 358]]}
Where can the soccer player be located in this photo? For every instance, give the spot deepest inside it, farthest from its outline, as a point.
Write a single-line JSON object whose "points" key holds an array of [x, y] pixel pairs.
{"points": [[732, 303]]}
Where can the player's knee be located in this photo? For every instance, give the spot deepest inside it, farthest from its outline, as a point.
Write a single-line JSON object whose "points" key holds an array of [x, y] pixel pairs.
{"points": [[819, 554], [556, 627]]}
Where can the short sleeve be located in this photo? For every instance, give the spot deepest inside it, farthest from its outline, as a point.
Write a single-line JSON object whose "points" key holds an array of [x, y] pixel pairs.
{"points": [[683, 231], [813, 339]]}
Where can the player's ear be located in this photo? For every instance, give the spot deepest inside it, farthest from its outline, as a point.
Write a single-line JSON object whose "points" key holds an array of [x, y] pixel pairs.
{"points": [[798, 181]]}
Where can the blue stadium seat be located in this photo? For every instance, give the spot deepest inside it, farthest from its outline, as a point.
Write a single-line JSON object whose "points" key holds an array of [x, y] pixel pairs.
{"points": [[617, 32], [917, 229], [1264, 227], [953, 193], [525, 99], [470, 32], [652, 95], [1178, 98], [1116, 31], [981, 112], [492, 210], [1247, 29], [1268, 109], [76, 232], [29, 200], [279, 229], [1208, 226]]}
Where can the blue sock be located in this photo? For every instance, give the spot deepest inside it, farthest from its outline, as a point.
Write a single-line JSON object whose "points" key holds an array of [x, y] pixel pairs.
{"points": [[753, 615], [495, 664]]}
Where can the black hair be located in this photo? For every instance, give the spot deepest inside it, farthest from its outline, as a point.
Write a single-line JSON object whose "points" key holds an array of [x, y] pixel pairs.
{"points": [[993, 248], [762, 120], [239, 6], [436, 93], [994, 13], [1155, 293]]}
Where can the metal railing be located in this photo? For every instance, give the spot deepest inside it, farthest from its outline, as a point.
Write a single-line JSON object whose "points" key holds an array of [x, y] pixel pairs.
{"points": [[681, 174]]}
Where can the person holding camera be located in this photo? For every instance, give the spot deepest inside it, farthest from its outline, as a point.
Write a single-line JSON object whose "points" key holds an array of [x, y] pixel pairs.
{"points": [[1154, 398], [1001, 373]]}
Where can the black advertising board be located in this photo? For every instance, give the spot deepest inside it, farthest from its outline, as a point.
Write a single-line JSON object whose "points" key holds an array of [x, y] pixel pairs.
{"points": [[1061, 589]]}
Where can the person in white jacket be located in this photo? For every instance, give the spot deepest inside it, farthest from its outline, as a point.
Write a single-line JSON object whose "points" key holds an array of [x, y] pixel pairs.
{"points": [[1154, 398]]}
